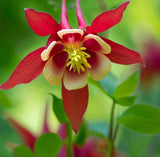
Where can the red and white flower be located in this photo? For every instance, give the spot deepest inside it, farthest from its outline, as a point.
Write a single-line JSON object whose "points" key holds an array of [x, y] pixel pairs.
{"points": [[70, 54], [93, 146]]}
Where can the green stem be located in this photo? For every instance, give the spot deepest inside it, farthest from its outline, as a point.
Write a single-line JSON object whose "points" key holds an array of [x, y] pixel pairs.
{"points": [[110, 149], [69, 139], [109, 154], [112, 121], [116, 131], [111, 146]]}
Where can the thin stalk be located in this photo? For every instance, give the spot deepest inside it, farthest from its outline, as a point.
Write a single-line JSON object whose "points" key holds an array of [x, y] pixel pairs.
{"points": [[112, 121], [69, 139], [115, 133], [110, 150], [109, 154]]}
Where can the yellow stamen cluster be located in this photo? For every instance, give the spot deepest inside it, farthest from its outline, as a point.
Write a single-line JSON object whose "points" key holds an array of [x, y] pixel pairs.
{"points": [[77, 58]]}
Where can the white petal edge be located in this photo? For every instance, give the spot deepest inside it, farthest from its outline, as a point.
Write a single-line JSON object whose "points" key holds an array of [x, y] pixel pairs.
{"points": [[46, 52], [106, 47], [66, 31]]}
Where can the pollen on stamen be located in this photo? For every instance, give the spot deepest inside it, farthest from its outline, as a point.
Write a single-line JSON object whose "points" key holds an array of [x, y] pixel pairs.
{"points": [[82, 68], [87, 65], [82, 48], [77, 58]]}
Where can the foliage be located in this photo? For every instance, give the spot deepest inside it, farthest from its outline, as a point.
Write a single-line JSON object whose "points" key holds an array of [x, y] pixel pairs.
{"points": [[58, 109], [135, 115], [47, 145], [142, 118]]}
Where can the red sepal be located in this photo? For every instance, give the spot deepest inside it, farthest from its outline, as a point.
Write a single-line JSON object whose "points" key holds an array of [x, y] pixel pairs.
{"points": [[27, 70], [26, 137], [122, 55], [75, 104], [41, 23], [107, 19]]}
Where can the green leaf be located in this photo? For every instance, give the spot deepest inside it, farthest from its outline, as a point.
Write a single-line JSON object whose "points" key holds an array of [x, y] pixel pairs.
{"points": [[23, 151], [127, 87], [4, 101], [82, 134], [58, 109], [142, 118], [127, 101], [48, 145]]}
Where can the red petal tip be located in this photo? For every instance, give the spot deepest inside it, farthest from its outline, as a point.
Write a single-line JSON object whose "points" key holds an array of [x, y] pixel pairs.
{"points": [[41, 23], [75, 104], [107, 19], [26, 136], [27, 70], [122, 55]]}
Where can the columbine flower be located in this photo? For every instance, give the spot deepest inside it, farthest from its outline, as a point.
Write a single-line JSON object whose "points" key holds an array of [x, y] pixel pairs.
{"points": [[92, 146], [72, 53]]}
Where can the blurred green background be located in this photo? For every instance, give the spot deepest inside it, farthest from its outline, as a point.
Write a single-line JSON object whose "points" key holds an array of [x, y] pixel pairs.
{"points": [[140, 24]]}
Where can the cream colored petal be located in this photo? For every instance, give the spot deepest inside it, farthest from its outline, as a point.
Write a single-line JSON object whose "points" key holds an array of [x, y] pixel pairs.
{"points": [[105, 48], [67, 31], [74, 80], [46, 52], [100, 66], [54, 68]]}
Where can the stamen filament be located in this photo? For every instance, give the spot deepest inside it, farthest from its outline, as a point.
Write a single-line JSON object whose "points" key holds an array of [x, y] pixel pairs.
{"points": [[77, 59]]}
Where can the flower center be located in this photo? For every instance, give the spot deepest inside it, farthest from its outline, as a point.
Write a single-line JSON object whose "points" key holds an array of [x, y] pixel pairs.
{"points": [[77, 58]]}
